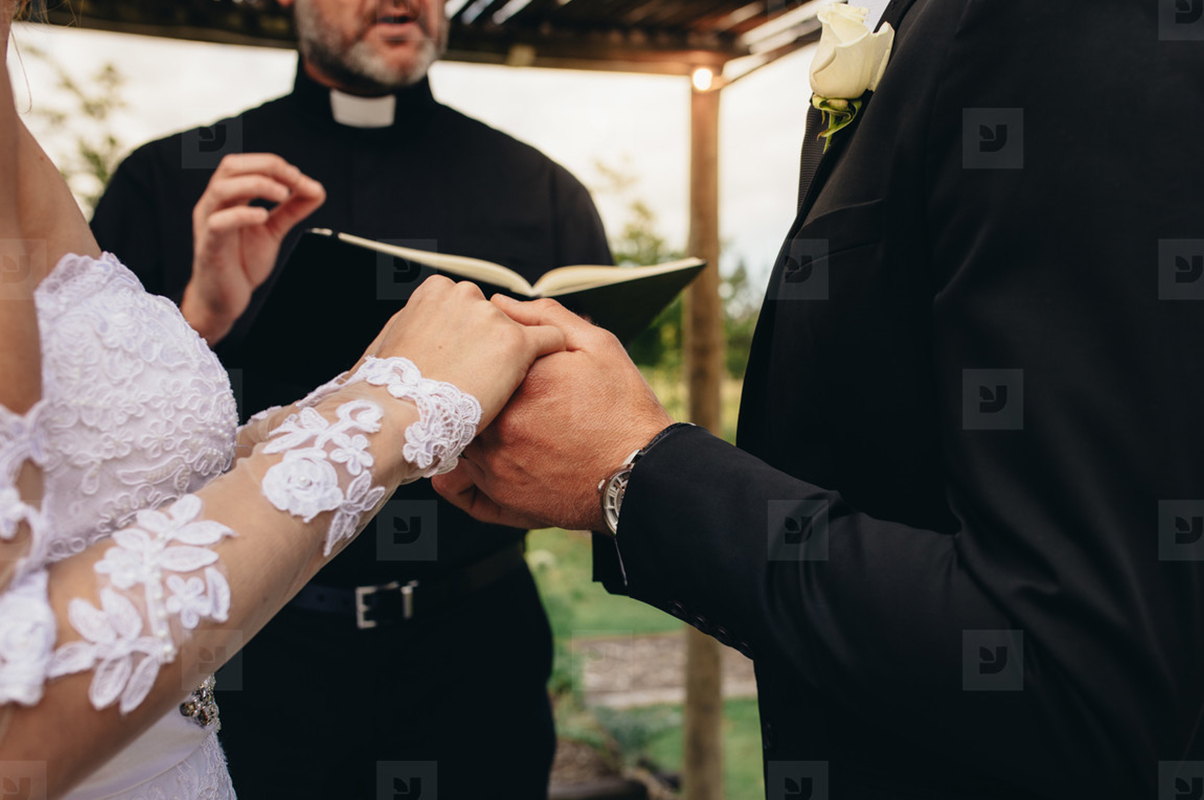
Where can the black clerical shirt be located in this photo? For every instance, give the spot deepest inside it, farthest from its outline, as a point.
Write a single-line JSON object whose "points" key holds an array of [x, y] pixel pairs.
{"points": [[436, 179]]}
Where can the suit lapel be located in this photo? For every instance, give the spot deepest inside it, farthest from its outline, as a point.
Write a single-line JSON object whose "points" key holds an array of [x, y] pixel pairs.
{"points": [[894, 16], [895, 12], [753, 429], [828, 161]]}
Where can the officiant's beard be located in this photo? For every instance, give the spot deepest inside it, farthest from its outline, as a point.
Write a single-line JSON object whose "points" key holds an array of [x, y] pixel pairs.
{"points": [[357, 67]]}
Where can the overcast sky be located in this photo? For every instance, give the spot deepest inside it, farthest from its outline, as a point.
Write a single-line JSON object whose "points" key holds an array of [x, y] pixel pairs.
{"points": [[638, 123]]}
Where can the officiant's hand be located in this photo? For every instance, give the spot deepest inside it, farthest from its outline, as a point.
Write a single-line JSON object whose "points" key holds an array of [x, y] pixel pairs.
{"points": [[572, 422], [236, 243]]}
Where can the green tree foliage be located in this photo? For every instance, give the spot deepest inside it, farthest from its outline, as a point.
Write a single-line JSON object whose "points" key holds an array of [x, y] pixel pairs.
{"points": [[640, 244], [741, 305]]}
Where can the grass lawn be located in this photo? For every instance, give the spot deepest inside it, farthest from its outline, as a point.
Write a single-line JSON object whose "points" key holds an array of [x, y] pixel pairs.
{"points": [[742, 777], [563, 567]]}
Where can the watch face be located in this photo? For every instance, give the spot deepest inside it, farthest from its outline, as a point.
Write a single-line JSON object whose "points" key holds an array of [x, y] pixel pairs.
{"points": [[612, 498]]}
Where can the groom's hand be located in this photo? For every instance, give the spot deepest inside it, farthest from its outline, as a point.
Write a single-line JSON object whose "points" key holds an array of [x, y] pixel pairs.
{"points": [[572, 422], [235, 244]]}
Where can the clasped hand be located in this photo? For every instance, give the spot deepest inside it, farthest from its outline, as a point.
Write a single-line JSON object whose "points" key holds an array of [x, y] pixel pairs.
{"points": [[577, 415], [562, 404]]}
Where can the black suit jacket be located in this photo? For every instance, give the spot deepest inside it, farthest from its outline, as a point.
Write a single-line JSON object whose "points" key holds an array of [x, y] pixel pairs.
{"points": [[960, 534]]}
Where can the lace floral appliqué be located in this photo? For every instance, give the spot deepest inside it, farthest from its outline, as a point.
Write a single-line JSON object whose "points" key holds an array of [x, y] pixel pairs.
{"points": [[149, 563], [27, 625], [306, 482], [27, 631], [318, 452], [447, 418]]}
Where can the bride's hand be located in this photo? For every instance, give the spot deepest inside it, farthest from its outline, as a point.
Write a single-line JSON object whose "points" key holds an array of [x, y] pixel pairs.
{"points": [[452, 333]]}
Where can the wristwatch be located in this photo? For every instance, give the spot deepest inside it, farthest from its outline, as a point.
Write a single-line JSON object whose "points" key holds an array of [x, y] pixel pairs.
{"points": [[614, 488]]}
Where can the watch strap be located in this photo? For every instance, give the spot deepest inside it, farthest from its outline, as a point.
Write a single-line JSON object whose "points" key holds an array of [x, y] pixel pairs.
{"points": [[612, 495]]}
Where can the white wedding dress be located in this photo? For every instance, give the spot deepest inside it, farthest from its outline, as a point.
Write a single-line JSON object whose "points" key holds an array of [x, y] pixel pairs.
{"points": [[138, 412]]}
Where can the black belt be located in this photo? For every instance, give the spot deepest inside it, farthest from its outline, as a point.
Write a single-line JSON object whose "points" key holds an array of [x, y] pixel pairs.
{"points": [[374, 606]]}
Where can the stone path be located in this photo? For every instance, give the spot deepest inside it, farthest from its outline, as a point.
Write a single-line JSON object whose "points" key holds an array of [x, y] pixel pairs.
{"points": [[631, 671]]}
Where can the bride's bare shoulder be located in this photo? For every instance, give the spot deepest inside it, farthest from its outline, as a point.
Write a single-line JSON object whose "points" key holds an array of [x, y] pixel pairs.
{"points": [[49, 216]]}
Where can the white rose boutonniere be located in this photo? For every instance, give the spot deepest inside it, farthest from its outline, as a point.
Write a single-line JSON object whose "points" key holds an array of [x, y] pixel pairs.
{"points": [[850, 62]]}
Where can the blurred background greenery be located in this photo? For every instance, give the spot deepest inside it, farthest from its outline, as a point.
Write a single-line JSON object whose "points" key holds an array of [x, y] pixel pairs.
{"points": [[651, 736]]}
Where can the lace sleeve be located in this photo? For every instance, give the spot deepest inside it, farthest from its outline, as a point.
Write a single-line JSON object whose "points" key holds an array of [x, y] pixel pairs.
{"points": [[166, 575], [27, 625]]}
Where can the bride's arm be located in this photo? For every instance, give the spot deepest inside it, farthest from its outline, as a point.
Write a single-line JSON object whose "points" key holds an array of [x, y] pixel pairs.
{"points": [[122, 626], [17, 324], [50, 220], [247, 553]]}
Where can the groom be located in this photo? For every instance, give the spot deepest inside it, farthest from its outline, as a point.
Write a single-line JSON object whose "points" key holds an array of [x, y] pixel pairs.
{"points": [[961, 536]]}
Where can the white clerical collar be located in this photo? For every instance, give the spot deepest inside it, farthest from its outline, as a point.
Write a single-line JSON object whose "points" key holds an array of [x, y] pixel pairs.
{"points": [[877, 9], [362, 112]]}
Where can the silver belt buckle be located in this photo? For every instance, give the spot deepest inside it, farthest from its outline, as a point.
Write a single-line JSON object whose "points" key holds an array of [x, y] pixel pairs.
{"points": [[407, 600], [361, 608]]}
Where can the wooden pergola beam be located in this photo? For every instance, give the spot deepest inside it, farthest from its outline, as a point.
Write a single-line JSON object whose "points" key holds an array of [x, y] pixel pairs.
{"points": [[702, 746], [664, 37]]}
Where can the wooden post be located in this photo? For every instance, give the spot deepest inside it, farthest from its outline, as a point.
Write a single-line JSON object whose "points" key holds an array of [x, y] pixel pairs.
{"points": [[703, 742]]}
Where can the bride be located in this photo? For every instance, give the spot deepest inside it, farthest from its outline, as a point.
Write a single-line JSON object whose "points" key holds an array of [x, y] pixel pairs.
{"points": [[142, 538]]}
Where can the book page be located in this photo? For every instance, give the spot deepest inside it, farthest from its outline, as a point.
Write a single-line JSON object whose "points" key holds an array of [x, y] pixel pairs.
{"points": [[571, 279], [473, 269]]}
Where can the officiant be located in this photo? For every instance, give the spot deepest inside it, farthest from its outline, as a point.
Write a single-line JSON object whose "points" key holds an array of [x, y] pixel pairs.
{"points": [[425, 643]]}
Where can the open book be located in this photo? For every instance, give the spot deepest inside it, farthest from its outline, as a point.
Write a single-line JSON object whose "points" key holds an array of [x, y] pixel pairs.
{"points": [[624, 300], [335, 281], [556, 283]]}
